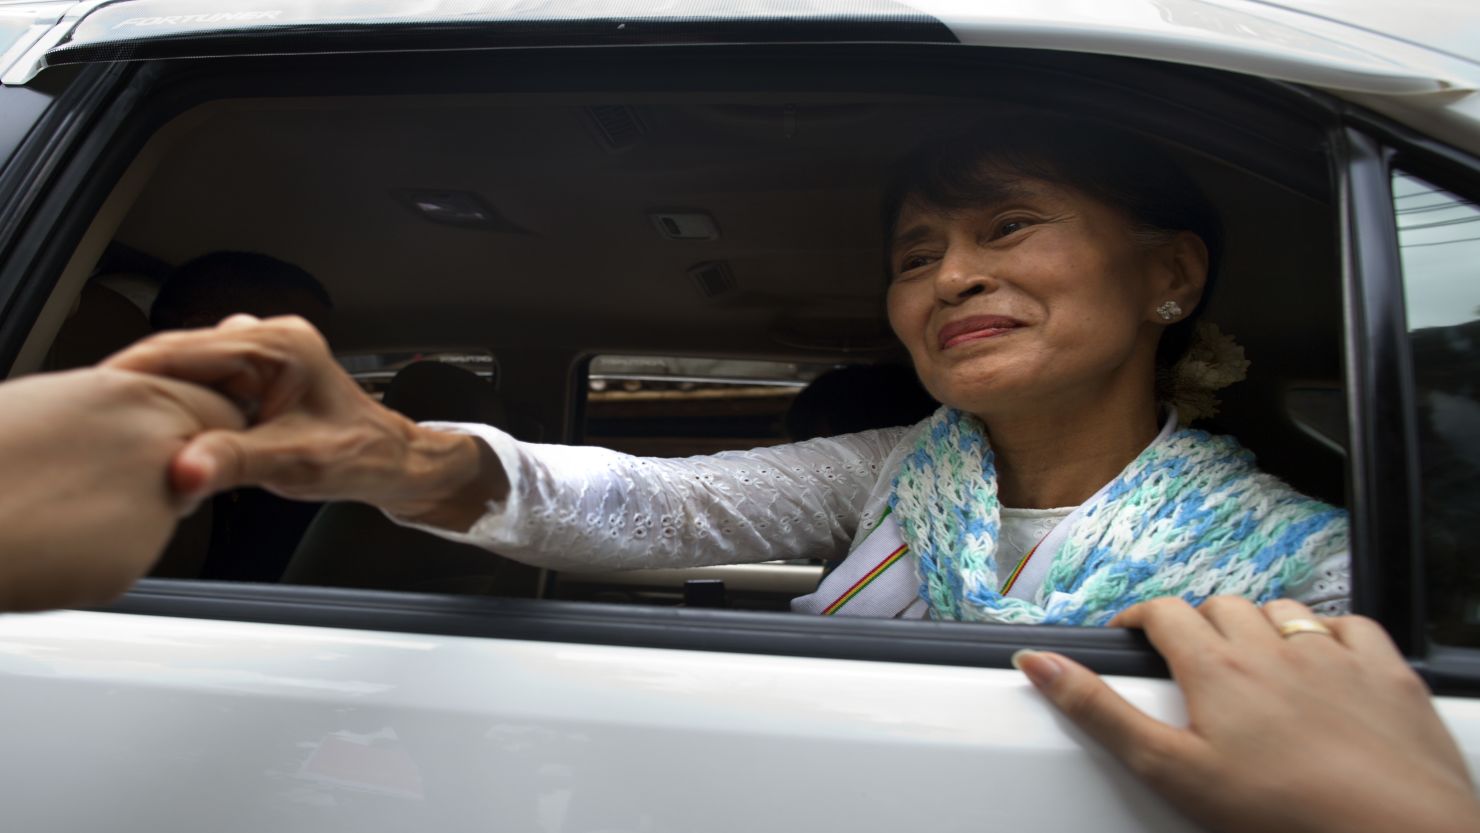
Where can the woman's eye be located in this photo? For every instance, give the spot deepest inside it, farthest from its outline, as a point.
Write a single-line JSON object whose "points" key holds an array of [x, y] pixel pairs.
{"points": [[912, 262], [1007, 227]]}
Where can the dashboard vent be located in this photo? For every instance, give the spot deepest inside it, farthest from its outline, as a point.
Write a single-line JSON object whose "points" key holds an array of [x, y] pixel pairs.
{"points": [[617, 127], [714, 278]]}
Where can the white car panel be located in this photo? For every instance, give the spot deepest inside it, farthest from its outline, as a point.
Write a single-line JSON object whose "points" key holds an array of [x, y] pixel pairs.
{"points": [[22, 26], [1451, 26], [1192, 32], [139, 723], [158, 724]]}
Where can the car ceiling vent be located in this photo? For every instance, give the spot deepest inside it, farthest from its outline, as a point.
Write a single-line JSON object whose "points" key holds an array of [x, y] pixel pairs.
{"points": [[685, 225], [617, 127], [714, 278]]}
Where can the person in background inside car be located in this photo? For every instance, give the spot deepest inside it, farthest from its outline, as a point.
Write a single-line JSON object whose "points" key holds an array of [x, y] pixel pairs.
{"points": [[1044, 276], [86, 505], [203, 291], [253, 532]]}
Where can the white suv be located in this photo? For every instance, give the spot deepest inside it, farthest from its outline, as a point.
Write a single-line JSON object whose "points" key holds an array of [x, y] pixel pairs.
{"points": [[544, 183]]}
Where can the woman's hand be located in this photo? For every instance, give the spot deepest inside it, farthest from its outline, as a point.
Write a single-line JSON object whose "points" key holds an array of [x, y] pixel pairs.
{"points": [[87, 505], [1301, 733], [315, 434]]}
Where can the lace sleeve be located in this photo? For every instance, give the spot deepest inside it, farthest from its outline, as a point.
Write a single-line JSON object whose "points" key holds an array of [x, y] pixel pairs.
{"points": [[581, 506]]}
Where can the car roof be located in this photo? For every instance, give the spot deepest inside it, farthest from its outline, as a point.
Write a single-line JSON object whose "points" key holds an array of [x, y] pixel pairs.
{"points": [[1230, 34], [1418, 63], [1448, 26]]}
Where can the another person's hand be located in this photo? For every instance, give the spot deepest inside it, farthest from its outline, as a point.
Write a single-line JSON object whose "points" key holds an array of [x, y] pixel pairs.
{"points": [[1301, 733], [88, 506], [316, 434]]}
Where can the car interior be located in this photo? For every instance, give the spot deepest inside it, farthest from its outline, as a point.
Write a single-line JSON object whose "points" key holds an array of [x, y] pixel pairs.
{"points": [[656, 254]]}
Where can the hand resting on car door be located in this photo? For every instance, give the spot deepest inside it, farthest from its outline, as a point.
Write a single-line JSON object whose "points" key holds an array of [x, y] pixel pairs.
{"points": [[1297, 723]]}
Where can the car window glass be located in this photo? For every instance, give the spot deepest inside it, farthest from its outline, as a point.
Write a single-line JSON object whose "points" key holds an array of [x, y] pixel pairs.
{"points": [[1439, 242]]}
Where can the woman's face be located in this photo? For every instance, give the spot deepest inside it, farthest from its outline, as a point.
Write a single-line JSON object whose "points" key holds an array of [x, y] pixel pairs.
{"points": [[1036, 296]]}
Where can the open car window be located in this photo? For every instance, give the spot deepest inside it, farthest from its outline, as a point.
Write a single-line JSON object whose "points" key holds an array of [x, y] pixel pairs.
{"points": [[790, 168]]}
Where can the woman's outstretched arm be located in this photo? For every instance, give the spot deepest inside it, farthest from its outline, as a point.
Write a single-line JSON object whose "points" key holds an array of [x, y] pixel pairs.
{"points": [[318, 437], [1309, 733]]}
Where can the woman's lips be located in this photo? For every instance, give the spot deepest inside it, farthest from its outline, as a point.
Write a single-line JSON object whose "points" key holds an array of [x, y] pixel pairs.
{"points": [[975, 328]]}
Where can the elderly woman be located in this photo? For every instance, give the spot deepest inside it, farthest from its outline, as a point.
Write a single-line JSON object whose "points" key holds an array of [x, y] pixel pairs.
{"points": [[1043, 278]]}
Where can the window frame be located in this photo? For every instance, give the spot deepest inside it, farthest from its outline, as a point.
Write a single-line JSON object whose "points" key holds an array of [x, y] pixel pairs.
{"points": [[125, 106], [1383, 365]]}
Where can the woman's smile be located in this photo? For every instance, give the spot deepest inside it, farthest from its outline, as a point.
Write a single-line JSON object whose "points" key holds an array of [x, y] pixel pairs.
{"points": [[976, 328]]}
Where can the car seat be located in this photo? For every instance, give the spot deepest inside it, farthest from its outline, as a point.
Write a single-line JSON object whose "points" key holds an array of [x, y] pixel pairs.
{"points": [[102, 323]]}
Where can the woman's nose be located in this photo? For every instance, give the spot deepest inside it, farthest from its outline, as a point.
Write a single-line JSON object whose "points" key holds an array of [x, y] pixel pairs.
{"points": [[960, 277]]}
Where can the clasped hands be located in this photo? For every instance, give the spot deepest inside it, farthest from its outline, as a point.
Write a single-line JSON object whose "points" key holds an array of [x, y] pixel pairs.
{"points": [[1309, 733], [102, 462]]}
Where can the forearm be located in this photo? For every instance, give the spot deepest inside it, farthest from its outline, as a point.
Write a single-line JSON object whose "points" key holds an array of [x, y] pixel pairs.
{"points": [[87, 507], [571, 507], [72, 538]]}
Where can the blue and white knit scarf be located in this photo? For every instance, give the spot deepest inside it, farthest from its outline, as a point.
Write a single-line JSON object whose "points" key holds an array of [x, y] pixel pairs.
{"points": [[1190, 517]]}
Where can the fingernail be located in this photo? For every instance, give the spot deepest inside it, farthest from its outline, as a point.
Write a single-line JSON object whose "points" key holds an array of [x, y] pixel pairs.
{"points": [[1041, 669]]}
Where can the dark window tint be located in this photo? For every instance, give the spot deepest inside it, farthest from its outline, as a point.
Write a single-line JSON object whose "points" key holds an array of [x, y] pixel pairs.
{"points": [[1439, 241]]}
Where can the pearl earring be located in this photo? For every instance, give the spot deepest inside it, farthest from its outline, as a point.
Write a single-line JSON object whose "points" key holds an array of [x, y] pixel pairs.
{"points": [[1169, 310]]}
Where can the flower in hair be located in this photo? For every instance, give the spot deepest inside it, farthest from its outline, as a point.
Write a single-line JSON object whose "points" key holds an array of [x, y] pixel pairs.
{"points": [[1213, 361]]}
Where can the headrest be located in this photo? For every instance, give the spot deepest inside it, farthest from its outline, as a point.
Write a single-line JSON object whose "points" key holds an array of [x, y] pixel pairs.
{"points": [[437, 391]]}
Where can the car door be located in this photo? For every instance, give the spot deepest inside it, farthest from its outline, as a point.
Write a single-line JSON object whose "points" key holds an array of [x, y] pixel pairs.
{"points": [[208, 705]]}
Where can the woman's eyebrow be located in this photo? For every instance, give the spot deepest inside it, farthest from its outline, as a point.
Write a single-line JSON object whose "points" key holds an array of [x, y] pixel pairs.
{"points": [[913, 235], [987, 195]]}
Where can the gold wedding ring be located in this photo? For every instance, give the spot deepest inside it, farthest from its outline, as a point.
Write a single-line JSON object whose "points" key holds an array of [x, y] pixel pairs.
{"points": [[1294, 626]]}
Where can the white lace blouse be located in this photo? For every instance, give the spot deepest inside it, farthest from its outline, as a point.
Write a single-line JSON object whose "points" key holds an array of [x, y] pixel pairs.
{"points": [[581, 507]]}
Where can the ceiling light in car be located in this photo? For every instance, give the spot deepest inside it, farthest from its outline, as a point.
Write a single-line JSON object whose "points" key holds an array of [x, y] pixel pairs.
{"points": [[456, 208]]}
